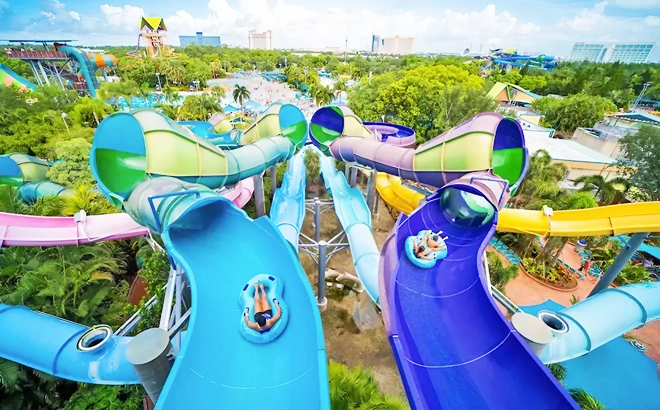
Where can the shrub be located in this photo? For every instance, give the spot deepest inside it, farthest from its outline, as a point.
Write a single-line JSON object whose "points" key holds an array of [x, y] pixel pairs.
{"points": [[499, 274], [632, 274], [558, 370]]}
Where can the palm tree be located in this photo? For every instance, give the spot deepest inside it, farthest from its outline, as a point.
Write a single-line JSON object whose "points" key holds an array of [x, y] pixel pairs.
{"points": [[339, 87], [218, 91], [175, 73], [321, 95], [608, 191], [241, 93], [585, 400], [83, 198], [353, 389], [10, 202], [10, 375], [86, 107], [541, 179]]}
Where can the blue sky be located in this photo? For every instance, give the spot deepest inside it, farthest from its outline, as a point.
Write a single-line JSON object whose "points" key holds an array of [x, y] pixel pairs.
{"points": [[537, 26]]}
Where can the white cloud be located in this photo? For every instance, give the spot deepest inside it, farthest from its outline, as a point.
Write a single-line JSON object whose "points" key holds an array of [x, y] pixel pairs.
{"points": [[74, 15], [637, 4], [127, 17]]}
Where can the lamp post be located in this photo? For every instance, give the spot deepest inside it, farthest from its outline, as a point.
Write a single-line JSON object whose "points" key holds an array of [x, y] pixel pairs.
{"points": [[65, 124], [159, 84]]}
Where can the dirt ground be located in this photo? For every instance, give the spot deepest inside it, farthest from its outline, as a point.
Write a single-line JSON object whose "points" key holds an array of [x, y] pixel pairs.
{"points": [[343, 340]]}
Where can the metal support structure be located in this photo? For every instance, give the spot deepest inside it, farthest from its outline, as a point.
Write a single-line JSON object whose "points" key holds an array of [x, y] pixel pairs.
{"points": [[354, 172], [35, 72], [273, 178], [317, 220], [259, 200], [347, 171], [376, 202], [371, 191], [320, 250], [43, 72], [322, 301], [57, 74], [619, 262], [177, 304]]}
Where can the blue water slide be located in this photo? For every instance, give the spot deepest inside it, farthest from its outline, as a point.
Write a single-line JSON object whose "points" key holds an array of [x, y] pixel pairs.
{"points": [[354, 216], [220, 248], [287, 210], [601, 318], [453, 346], [51, 345], [87, 67]]}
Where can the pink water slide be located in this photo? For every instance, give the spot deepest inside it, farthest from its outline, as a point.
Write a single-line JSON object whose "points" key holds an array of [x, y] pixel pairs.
{"points": [[25, 230]]}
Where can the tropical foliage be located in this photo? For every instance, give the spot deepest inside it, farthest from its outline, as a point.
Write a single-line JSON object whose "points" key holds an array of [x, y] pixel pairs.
{"points": [[585, 400], [641, 162], [240, 94], [569, 113], [499, 274], [199, 107], [356, 389]]}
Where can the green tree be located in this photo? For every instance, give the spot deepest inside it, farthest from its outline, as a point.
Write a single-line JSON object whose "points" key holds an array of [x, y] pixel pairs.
{"points": [[199, 107], [322, 95], [89, 397], [499, 274], [574, 111], [84, 198], [125, 89], [90, 111], [240, 94], [585, 400], [558, 371], [541, 179], [608, 191], [72, 167], [641, 162], [312, 166]]}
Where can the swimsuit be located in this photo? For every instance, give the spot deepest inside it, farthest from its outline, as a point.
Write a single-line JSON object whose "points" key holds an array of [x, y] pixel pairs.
{"points": [[268, 314]]}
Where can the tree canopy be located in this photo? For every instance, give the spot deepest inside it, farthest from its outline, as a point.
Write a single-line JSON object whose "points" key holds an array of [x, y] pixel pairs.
{"points": [[641, 162]]}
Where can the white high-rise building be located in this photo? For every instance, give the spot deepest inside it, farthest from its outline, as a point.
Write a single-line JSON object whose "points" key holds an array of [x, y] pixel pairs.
{"points": [[262, 41], [398, 45], [376, 43], [610, 53]]}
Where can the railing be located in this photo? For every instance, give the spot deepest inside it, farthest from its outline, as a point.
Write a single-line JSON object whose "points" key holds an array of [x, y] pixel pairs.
{"points": [[36, 55]]}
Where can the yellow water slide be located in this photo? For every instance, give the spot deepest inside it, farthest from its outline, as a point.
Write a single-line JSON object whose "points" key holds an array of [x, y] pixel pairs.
{"points": [[605, 220]]}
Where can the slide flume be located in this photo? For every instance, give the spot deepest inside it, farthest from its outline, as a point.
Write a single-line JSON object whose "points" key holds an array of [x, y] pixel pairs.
{"points": [[287, 211], [215, 242], [355, 218], [603, 317], [453, 346]]}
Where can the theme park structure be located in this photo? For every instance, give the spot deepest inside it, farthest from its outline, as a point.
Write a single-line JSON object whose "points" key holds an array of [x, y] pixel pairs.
{"points": [[58, 63], [509, 57], [153, 35], [164, 176]]}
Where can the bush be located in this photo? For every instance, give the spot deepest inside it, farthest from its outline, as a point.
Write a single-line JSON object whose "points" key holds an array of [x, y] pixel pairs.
{"points": [[585, 400], [558, 370], [312, 166], [632, 274], [353, 389]]}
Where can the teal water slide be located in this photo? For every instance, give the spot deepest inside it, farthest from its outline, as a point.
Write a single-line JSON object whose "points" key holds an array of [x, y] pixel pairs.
{"points": [[287, 210], [87, 67], [354, 216]]}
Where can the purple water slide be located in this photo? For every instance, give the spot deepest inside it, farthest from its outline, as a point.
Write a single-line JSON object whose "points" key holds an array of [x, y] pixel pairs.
{"points": [[453, 346]]}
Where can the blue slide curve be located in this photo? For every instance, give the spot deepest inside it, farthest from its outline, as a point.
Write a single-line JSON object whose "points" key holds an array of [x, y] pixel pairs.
{"points": [[220, 248], [287, 210], [603, 317], [453, 346], [355, 218], [49, 344]]}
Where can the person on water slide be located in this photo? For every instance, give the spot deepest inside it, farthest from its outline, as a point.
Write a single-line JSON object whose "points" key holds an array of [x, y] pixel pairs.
{"points": [[263, 314], [435, 244]]}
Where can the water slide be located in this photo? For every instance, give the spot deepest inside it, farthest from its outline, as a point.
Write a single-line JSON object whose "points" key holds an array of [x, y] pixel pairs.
{"points": [[287, 211], [9, 78], [87, 67], [604, 220], [220, 249], [453, 346], [603, 317], [355, 218]]}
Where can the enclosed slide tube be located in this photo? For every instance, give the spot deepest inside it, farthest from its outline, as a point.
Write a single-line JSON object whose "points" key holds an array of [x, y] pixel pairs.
{"points": [[128, 148], [453, 346], [587, 325], [355, 217], [9, 78], [488, 141], [287, 210]]}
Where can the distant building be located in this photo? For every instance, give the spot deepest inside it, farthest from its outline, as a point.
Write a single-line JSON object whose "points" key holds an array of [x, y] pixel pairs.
{"points": [[376, 43], [398, 45], [200, 40], [261, 41], [610, 53]]}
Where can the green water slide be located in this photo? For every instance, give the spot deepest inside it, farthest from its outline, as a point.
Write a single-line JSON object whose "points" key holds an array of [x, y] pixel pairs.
{"points": [[131, 147]]}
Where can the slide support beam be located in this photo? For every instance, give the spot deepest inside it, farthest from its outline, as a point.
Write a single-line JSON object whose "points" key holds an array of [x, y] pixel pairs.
{"points": [[354, 172], [619, 262], [148, 354], [259, 199], [273, 178], [322, 301], [371, 192]]}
